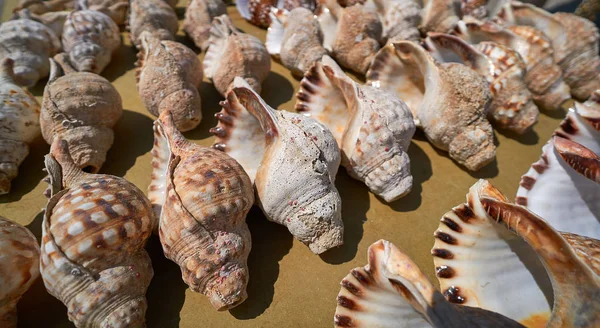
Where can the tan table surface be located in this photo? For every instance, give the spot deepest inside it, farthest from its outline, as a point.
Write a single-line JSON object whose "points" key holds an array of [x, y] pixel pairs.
{"points": [[289, 286]]}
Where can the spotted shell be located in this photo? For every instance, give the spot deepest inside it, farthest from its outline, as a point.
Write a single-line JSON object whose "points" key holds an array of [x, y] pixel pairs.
{"points": [[257, 12], [154, 16]]}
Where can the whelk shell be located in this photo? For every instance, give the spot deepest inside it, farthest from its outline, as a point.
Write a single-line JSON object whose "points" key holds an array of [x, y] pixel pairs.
{"points": [[292, 160], [115, 9], [439, 15], [154, 16], [400, 19], [373, 128], [198, 18]]}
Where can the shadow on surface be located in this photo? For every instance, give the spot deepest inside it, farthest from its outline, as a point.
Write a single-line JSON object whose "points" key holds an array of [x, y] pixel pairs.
{"points": [[37, 303], [210, 106], [276, 90], [420, 168], [559, 113], [126, 58], [528, 138], [30, 172]]}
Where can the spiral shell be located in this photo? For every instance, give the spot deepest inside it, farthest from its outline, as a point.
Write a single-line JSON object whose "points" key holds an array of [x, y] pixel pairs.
{"points": [[400, 19], [439, 15], [115, 9], [154, 16], [198, 18], [93, 235], [257, 12], [19, 267]]}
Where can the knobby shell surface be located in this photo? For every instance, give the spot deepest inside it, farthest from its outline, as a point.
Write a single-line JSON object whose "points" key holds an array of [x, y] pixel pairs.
{"points": [[19, 124], [202, 197], [168, 78], [80, 108], [198, 18], [93, 235], [292, 160], [400, 19], [372, 127], [115, 9], [154, 16], [19, 267]]}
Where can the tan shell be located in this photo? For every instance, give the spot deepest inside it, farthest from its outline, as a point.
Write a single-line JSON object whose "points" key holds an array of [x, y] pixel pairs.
{"points": [[39, 7], [474, 8], [115, 9], [373, 128], [90, 38], [233, 53], [168, 79], [292, 160], [81, 108], [29, 44], [19, 124], [55, 20], [257, 11], [400, 18], [93, 236], [202, 197], [448, 100], [198, 19], [154, 16], [19, 268], [439, 15]]}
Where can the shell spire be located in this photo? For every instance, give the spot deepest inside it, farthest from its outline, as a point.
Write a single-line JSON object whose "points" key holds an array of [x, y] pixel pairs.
{"points": [[198, 18], [155, 16]]}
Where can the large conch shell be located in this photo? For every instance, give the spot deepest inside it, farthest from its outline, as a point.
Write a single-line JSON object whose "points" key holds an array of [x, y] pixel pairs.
{"points": [[439, 15], [543, 76], [512, 105], [257, 12], [391, 292], [563, 186], [154, 16], [448, 100], [19, 268], [202, 196], [400, 19], [81, 108], [93, 235], [500, 257], [296, 38], [373, 127], [19, 124], [198, 19], [233, 53], [292, 160], [168, 78]]}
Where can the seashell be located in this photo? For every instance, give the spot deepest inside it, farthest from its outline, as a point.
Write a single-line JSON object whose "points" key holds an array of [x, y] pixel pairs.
{"points": [[168, 78], [19, 124], [439, 15], [19, 267], [391, 291], [292, 160], [448, 100], [373, 128], [115, 9], [30, 44], [400, 19], [171, 3], [233, 53], [55, 20], [257, 12], [296, 38], [544, 276], [587, 9], [202, 197], [198, 18], [93, 235], [154, 16], [90, 38], [512, 105], [39, 7], [80, 108], [543, 77], [474, 8], [574, 39]]}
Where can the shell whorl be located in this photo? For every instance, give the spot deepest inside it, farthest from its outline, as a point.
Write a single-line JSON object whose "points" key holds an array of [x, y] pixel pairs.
{"points": [[155, 16], [198, 19]]}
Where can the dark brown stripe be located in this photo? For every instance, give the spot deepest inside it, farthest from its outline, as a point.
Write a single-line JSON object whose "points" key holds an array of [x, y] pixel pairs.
{"points": [[346, 302], [464, 213], [520, 200], [343, 321], [527, 182], [445, 237], [568, 126], [444, 271], [539, 167], [350, 287], [594, 122], [360, 277], [451, 224], [442, 253], [453, 295], [302, 96], [307, 87]]}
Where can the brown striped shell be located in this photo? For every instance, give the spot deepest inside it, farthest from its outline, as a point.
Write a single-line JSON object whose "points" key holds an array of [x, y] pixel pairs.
{"points": [[202, 196], [198, 19], [154, 16], [19, 268], [93, 236]]}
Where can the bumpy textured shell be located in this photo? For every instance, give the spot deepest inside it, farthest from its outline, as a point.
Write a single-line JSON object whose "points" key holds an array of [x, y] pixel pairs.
{"points": [[198, 18], [292, 160], [400, 19], [39, 7], [19, 268], [202, 196], [115, 9], [449, 100], [81, 108], [168, 79], [154, 16], [295, 37], [233, 53], [391, 292], [93, 235], [90, 37], [439, 15], [257, 11], [373, 127], [19, 124], [29, 44]]}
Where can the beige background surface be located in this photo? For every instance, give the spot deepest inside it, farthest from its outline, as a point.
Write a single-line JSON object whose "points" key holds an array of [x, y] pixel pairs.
{"points": [[289, 286]]}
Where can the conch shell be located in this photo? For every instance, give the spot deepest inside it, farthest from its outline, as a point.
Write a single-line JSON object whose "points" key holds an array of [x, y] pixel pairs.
{"points": [[115, 9], [19, 267], [19, 124], [292, 160], [373, 128], [448, 100], [154, 16], [391, 292], [257, 12], [501, 257], [233, 53], [80, 108], [93, 235], [168, 78], [202, 197], [198, 19], [474, 8], [296, 38], [400, 19], [90, 37], [512, 105], [30, 44], [439, 15]]}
